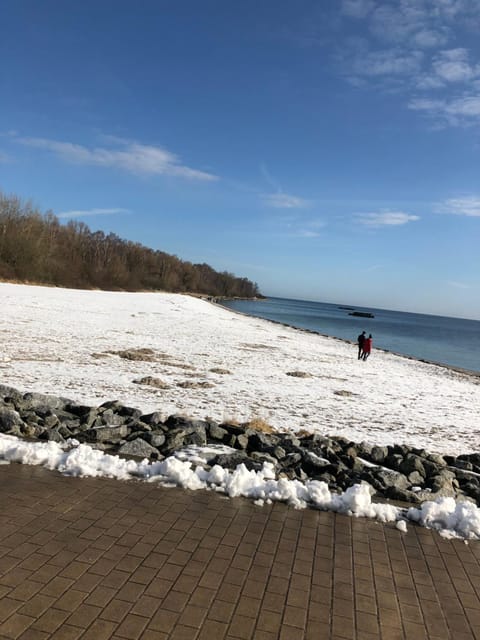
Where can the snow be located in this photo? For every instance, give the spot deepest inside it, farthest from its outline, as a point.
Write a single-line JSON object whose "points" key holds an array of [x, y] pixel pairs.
{"points": [[451, 519], [231, 367]]}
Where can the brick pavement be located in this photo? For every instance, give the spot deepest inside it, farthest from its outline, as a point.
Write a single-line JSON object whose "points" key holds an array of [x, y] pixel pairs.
{"points": [[99, 559]]}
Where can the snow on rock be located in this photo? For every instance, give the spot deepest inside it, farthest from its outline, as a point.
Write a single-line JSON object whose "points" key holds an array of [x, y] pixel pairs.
{"points": [[451, 519]]}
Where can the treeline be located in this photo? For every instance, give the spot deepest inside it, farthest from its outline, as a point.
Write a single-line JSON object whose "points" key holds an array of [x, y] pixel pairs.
{"points": [[36, 247]]}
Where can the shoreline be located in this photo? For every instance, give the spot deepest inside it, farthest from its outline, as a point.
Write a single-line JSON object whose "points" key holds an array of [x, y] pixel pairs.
{"points": [[467, 372]]}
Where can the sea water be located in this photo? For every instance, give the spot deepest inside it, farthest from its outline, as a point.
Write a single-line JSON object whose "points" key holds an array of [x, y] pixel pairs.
{"points": [[451, 341]]}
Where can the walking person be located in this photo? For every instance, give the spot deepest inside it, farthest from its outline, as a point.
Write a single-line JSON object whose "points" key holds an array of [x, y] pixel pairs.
{"points": [[367, 346], [360, 341]]}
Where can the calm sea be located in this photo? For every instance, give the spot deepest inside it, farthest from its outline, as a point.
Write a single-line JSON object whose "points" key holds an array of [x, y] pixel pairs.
{"points": [[451, 341]]}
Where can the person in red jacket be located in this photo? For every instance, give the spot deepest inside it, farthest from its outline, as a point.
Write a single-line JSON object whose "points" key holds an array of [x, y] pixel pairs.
{"points": [[367, 347]]}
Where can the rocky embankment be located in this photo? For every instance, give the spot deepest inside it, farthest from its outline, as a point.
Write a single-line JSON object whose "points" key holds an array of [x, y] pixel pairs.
{"points": [[395, 472]]}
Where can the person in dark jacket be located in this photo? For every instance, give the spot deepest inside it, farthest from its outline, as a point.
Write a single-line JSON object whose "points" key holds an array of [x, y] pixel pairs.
{"points": [[367, 346], [360, 341]]}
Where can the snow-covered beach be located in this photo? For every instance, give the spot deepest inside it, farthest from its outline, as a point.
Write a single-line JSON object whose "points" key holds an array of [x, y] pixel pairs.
{"points": [[226, 366], [211, 362]]}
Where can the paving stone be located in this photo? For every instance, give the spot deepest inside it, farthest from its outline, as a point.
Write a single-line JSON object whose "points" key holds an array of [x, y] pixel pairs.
{"points": [[106, 560]]}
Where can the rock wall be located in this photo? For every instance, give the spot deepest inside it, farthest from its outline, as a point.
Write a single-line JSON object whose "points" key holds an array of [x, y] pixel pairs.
{"points": [[395, 472]]}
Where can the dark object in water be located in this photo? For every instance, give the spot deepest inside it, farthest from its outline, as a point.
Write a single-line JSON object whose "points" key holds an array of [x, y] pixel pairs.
{"points": [[361, 314], [347, 308]]}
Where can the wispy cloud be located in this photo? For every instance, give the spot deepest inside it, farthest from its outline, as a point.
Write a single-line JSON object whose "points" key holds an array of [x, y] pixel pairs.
{"points": [[309, 228], [284, 201], [453, 65], [412, 46], [458, 285], [385, 218], [389, 62], [357, 8], [133, 157], [299, 226], [461, 111], [279, 199], [4, 158], [82, 213], [465, 206]]}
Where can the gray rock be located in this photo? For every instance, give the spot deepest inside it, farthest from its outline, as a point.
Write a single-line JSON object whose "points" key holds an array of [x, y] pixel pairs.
{"points": [[402, 495], [50, 421], [107, 433], [108, 417], [233, 429], [10, 394], [138, 448], [42, 401], [192, 432], [137, 426], [259, 441], [216, 432], [232, 460], [314, 465], [437, 459], [391, 478], [444, 483], [291, 459], [9, 418], [290, 441], [416, 479], [261, 456], [79, 410], [241, 441], [86, 421], [393, 461], [110, 405], [412, 463], [28, 430], [152, 419], [155, 438], [378, 455], [465, 465], [278, 452], [30, 417], [54, 435]]}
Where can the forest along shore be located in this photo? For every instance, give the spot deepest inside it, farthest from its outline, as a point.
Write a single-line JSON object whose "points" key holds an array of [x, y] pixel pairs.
{"points": [[175, 354]]}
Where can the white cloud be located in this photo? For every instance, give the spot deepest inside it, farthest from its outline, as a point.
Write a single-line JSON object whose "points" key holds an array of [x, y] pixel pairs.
{"points": [[463, 111], [82, 213], [429, 38], [467, 106], [417, 46], [453, 66], [385, 218], [465, 206], [129, 156], [284, 201], [424, 82]]}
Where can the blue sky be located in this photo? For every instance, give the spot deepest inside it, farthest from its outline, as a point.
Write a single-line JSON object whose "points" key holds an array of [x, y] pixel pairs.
{"points": [[326, 150]]}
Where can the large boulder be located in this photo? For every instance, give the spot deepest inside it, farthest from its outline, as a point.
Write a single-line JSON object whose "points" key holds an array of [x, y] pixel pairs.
{"points": [[9, 419], [411, 463], [138, 448], [378, 455]]}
